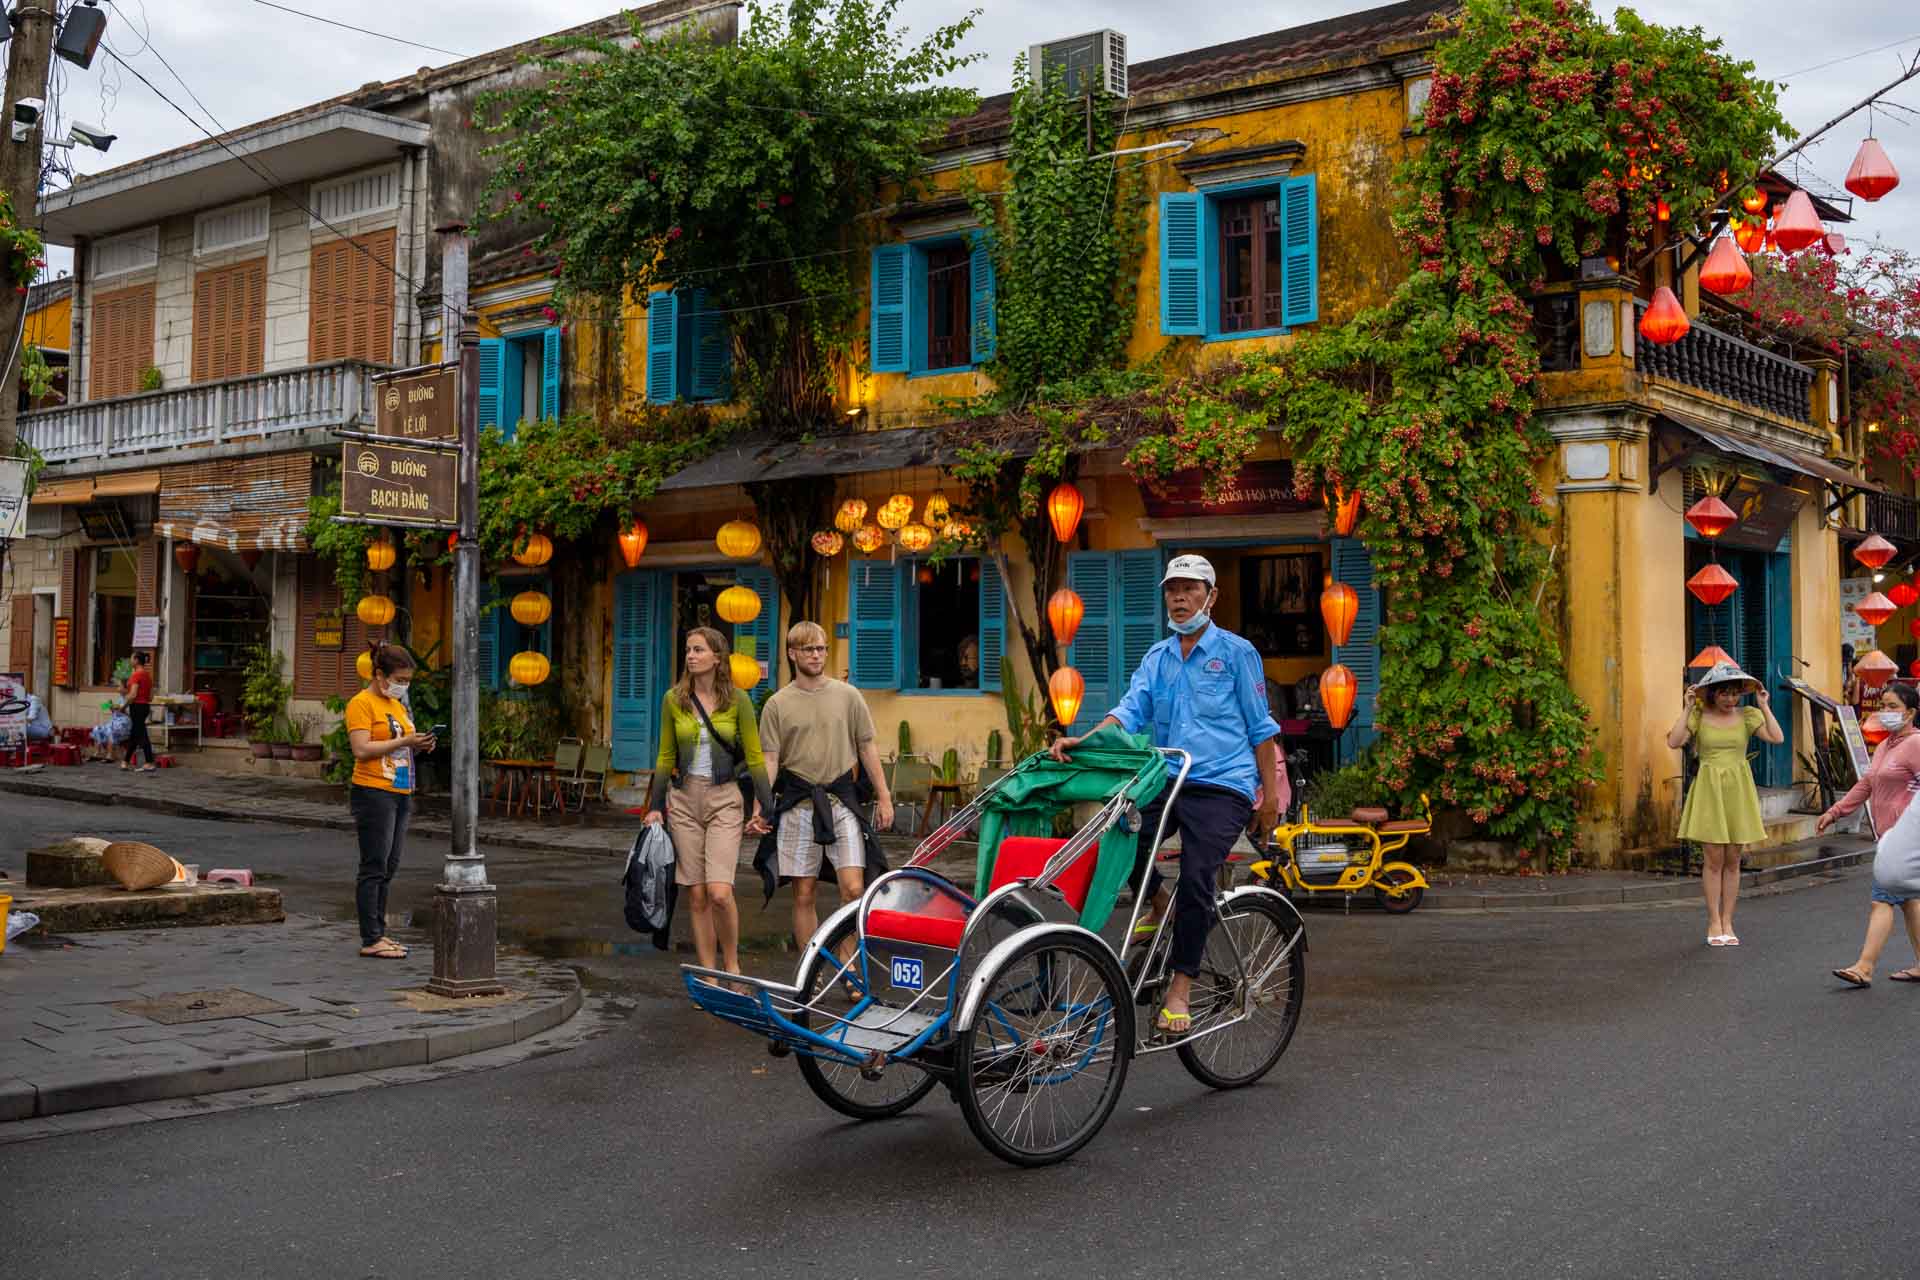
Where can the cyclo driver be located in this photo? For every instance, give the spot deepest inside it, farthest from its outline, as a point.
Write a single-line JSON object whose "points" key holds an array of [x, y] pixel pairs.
{"points": [[1203, 691]]}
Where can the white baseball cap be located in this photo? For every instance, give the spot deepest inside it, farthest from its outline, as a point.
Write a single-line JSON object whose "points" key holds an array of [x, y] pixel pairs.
{"points": [[1192, 568]]}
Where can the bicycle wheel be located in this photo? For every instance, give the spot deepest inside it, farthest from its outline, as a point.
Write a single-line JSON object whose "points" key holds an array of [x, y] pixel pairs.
{"points": [[849, 1089], [1249, 966], [1041, 1068], [1395, 892]]}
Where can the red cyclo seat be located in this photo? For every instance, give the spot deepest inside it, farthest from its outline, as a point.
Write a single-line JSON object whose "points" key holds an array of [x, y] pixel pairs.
{"points": [[939, 923], [1022, 857]]}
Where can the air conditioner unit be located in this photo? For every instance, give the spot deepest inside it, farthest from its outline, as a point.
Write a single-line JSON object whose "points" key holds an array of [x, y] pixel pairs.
{"points": [[1095, 62]]}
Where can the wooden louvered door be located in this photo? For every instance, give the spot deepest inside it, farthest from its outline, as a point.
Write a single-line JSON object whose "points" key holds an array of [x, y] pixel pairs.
{"points": [[319, 672], [122, 343], [230, 321], [350, 316]]}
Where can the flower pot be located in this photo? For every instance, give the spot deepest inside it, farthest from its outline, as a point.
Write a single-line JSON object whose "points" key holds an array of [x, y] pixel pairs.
{"points": [[309, 751], [261, 750], [282, 751]]}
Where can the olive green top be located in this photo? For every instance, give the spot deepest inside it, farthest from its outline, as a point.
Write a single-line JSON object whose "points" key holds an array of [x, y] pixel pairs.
{"points": [[738, 734]]}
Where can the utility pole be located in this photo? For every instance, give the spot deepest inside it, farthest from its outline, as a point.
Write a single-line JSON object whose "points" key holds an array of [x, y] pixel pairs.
{"points": [[29, 54]]}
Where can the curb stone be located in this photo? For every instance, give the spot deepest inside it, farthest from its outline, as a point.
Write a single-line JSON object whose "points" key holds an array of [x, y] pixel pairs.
{"points": [[1682, 887]]}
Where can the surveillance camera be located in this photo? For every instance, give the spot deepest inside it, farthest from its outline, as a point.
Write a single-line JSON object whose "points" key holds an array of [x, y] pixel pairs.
{"points": [[90, 135], [27, 110]]}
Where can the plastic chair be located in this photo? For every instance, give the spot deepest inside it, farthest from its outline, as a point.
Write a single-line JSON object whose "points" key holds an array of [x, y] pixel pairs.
{"points": [[910, 781], [592, 778], [566, 765]]}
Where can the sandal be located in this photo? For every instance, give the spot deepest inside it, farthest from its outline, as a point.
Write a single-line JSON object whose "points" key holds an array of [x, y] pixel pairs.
{"points": [[389, 942], [1906, 975], [1175, 1024], [1851, 977], [384, 950]]}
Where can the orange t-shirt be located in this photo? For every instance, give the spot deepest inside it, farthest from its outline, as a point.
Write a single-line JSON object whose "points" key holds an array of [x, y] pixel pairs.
{"points": [[384, 719]]}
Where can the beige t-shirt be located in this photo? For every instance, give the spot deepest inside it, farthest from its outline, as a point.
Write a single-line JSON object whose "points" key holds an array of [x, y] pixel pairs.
{"points": [[816, 733]]}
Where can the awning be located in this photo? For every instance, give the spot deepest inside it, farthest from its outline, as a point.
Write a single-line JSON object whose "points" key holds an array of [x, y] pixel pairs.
{"points": [[1736, 444], [238, 503], [756, 458], [127, 484], [63, 493]]}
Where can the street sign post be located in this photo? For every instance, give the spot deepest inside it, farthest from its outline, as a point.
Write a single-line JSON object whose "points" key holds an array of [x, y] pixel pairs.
{"points": [[399, 484], [418, 404]]}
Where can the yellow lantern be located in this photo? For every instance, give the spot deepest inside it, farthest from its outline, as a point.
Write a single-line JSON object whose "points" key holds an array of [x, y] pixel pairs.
{"points": [[380, 555], [530, 608], [870, 538], [375, 611], [851, 515], [529, 668], [535, 551], [894, 512], [738, 539], [363, 665], [938, 510], [738, 604], [744, 670], [633, 543], [827, 543], [916, 537]]}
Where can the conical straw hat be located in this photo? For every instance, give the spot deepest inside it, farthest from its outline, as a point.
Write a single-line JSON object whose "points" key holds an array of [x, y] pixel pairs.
{"points": [[138, 866], [1727, 673]]}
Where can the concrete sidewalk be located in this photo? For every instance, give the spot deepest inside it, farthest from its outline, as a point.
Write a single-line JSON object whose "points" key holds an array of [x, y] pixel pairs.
{"points": [[133, 1019]]}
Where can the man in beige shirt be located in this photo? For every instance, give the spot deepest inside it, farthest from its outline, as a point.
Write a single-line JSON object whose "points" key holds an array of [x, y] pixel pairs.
{"points": [[813, 731]]}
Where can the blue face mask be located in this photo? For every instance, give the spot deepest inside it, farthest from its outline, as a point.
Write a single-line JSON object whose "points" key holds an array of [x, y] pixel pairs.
{"points": [[1197, 622]]}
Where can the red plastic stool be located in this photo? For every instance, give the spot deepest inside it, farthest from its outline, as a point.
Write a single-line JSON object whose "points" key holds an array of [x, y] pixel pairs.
{"points": [[63, 753]]}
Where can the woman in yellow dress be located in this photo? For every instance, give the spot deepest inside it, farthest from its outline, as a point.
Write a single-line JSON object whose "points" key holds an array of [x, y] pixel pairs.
{"points": [[1722, 811]]}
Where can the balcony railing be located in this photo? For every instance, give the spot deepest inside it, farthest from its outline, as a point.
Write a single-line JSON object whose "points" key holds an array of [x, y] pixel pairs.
{"points": [[1894, 516], [339, 394], [1723, 365]]}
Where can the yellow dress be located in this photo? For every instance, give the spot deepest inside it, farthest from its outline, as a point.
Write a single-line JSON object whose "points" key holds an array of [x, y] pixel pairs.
{"points": [[1723, 805]]}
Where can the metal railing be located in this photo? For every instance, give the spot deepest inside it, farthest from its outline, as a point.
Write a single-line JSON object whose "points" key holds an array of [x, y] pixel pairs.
{"points": [[1724, 365], [337, 394], [1894, 516]]}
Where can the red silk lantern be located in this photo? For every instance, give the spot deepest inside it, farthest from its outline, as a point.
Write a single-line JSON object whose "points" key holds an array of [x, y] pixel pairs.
{"points": [[633, 542], [1662, 211], [1711, 517], [1064, 506], [1666, 320], [1871, 732], [1065, 608], [1834, 244], [1339, 605], [1874, 668], [1874, 552], [1712, 584], [1709, 657], [1750, 234], [1913, 668], [453, 540], [1798, 225], [1875, 609], [1065, 689], [1904, 594], [187, 556], [1337, 688], [1344, 507], [1754, 201], [1913, 628], [1726, 270], [1872, 175]]}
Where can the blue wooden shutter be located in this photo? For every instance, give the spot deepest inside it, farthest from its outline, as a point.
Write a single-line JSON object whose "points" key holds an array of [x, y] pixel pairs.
{"points": [[550, 374], [1353, 565], [993, 624], [633, 674], [1141, 626], [1300, 252], [710, 352], [513, 363], [1181, 282], [980, 264], [663, 356], [491, 352], [888, 341], [873, 605], [1095, 648], [489, 636], [765, 625]]}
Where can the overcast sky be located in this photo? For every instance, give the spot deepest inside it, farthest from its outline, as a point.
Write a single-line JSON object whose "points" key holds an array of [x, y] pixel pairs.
{"points": [[246, 61]]}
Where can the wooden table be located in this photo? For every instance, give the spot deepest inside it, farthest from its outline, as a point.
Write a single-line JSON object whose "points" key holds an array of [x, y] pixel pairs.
{"points": [[949, 795], [527, 775]]}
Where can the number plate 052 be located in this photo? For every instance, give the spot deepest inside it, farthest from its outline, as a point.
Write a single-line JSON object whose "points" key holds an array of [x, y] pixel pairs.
{"points": [[908, 973]]}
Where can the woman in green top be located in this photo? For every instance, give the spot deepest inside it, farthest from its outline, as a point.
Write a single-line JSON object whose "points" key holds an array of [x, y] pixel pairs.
{"points": [[708, 742], [1722, 811]]}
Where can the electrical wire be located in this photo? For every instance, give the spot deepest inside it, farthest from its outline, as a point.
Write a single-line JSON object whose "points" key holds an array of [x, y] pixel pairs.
{"points": [[348, 26], [1864, 53]]}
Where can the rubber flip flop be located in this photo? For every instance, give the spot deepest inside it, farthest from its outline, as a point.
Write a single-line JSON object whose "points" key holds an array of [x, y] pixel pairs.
{"points": [[1174, 1024], [380, 952], [1851, 978], [1905, 975]]}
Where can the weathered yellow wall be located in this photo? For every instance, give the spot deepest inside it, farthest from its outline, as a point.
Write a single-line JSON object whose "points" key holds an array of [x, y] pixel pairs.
{"points": [[52, 325]]}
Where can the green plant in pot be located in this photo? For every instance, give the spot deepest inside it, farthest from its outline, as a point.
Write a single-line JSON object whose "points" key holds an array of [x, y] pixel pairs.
{"points": [[305, 733], [263, 700]]}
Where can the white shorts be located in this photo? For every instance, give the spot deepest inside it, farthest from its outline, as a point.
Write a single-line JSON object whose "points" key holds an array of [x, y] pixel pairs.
{"points": [[800, 856]]}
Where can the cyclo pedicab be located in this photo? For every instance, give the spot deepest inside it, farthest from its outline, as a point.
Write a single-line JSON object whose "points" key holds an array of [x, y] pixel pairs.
{"points": [[1010, 995]]}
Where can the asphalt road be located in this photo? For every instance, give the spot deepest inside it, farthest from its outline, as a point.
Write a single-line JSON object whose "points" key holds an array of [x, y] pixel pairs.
{"points": [[1555, 1093]]}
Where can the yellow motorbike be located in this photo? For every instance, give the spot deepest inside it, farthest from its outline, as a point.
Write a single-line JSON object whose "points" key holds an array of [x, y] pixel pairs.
{"points": [[1347, 856]]}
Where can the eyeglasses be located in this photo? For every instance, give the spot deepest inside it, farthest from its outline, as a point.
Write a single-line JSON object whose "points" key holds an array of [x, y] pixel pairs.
{"points": [[811, 648]]}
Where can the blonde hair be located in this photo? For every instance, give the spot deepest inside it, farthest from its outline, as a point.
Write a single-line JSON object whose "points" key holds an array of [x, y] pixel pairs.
{"points": [[722, 680], [806, 632]]}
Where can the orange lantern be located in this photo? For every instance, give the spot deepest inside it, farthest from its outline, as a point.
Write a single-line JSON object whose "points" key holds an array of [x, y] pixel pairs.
{"points": [[1064, 506], [529, 668], [453, 540], [375, 611], [744, 671], [633, 542], [1712, 584], [738, 539], [851, 515], [1871, 731], [534, 552], [1726, 270], [938, 510], [1710, 656], [1872, 174], [1666, 320], [1750, 234], [738, 604], [1798, 225], [1711, 517], [1345, 510], [1337, 689], [1754, 201], [915, 537], [1875, 609], [187, 556], [380, 555], [530, 608], [1874, 668], [1874, 552], [1065, 608], [870, 538], [894, 512], [827, 543], [1662, 211], [1066, 689], [363, 666], [1339, 605]]}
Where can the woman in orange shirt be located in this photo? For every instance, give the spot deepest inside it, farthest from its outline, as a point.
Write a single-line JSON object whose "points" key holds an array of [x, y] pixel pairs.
{"points": [[384, 742]]}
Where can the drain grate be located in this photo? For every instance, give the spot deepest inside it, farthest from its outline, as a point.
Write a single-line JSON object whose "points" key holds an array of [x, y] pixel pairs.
{"points": [[201, 1006]]}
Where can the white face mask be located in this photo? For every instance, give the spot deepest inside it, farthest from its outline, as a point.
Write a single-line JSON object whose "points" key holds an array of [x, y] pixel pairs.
{"points": [[397, 689], [1893, 721]]}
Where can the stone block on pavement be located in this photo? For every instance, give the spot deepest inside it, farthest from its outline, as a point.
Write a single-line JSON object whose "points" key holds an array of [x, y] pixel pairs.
{"points": [[68, 864]]}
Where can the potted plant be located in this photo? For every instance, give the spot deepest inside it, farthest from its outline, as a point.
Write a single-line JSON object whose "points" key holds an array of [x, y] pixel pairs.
{"points": [[305, 734], [263, 698], [282, 738]]}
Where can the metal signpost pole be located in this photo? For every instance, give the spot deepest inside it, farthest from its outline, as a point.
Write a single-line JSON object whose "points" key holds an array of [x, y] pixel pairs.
{"points": [[466, 912]]}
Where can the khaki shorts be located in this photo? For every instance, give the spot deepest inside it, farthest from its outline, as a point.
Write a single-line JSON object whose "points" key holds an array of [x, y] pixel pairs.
{"points": [[706, 820], [800, 856]]}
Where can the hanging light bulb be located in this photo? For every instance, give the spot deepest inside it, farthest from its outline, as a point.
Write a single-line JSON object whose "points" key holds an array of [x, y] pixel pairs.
{"points": [[1666, 320], [1726, 270], [1872, 175]]}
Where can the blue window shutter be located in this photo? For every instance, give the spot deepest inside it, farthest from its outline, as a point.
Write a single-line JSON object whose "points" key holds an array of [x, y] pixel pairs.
{"points": [[709, 351], [633, 674], [888, 341], [765, 625], [513, 362], [873, 588], [491, 352], [1095, 646], [1353, 565], [1300, 252], [1181, 283], [663, 355], [550, 374], [993, 624], [980, 273], [1138, 584], [489, 636]]}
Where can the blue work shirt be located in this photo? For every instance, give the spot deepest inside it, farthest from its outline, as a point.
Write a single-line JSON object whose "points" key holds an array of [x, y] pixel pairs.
{"points": [[1212, 703]]}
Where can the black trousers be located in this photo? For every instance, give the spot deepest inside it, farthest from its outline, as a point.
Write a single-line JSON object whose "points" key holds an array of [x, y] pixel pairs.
{"points": [[138, 741], [1209, 820], [380, 819]]}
